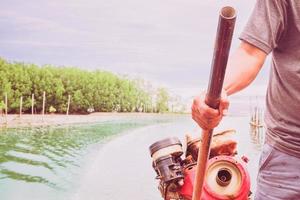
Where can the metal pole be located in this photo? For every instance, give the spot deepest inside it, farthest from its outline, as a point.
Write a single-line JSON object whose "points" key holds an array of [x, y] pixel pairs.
{"points": [[222, 46]]}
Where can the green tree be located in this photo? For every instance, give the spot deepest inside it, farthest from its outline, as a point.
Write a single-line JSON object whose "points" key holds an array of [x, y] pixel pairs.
{"points": [[162, 100], [101, 90]]}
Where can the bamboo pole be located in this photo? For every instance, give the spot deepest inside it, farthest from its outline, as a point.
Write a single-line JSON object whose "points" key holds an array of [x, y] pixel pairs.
{"points": [[32, 104], [44, 100], [68, 107], [21, 106], [259, 117], [255, 115]]}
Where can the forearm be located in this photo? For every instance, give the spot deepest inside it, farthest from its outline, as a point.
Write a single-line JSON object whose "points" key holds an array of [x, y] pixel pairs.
{"points": [[243, 66]]}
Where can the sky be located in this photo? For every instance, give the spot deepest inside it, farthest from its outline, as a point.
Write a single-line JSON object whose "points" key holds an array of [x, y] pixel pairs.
{"points": [[167, 42]]}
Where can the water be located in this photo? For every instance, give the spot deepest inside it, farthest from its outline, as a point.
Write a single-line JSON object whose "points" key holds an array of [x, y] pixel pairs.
{"points": [[97, 161], [45, 163]]}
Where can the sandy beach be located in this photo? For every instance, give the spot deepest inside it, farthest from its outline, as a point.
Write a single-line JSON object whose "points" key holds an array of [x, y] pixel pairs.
{"points": [[28, 120]]}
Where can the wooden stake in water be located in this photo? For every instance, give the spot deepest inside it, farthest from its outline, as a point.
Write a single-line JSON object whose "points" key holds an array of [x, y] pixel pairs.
{"points": [[44, 100], [6, 107], [21, 105], [32, 104], [68, 107]]}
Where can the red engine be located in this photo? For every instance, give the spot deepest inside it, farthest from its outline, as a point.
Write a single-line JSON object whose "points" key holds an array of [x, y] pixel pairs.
{"points": [[226, 175], [226, 178]]}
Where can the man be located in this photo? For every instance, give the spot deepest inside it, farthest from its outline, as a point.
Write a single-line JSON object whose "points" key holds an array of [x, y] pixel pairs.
{"points": [[274, 27]]}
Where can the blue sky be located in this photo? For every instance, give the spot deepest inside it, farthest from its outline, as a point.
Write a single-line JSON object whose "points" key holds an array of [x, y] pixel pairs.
{"points": [[168, 42]]}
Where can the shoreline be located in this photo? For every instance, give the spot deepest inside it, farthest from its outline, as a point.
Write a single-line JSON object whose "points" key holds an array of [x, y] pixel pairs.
{"points": [[38, 120]]}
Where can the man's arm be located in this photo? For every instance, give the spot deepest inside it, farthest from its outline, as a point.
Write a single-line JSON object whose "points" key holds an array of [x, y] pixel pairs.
{"points": [[243, 66]]}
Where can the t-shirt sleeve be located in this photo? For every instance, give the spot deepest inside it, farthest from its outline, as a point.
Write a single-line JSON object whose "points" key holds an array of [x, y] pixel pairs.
{"points": [[266, 24]]}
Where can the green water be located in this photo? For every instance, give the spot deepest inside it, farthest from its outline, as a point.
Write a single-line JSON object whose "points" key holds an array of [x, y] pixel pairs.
{"points": [[122, 168], [93, 161], [45, 163]]}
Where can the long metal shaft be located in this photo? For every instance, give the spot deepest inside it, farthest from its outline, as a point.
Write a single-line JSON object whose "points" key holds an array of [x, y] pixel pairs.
{"points": [[221, 51]]}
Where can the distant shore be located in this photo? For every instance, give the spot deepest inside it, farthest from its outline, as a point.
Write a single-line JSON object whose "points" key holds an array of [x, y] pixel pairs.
{"points": [[28, 120]]}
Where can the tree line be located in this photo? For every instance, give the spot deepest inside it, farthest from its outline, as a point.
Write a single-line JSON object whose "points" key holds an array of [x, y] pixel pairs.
{"points": [[98, 90]]}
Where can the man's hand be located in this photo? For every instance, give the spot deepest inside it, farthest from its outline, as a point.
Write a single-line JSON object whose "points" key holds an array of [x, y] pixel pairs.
{"points": [[206, 117]]}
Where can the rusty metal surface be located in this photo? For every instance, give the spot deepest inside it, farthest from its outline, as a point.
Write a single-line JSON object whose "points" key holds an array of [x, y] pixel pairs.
{"points": [[221, 51]]}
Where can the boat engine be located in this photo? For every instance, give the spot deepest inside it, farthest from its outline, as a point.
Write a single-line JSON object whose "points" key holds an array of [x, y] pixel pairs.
{"points": [[167, 163], [226, 174]]}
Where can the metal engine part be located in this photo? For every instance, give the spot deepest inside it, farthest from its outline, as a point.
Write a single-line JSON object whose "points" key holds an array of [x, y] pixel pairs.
{"points": [[226, 175], [223, 143], [226, 179], [166, 155]]}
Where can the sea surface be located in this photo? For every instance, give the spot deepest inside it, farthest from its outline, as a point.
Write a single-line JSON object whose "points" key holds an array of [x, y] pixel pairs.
{"points": [[107, 160]]}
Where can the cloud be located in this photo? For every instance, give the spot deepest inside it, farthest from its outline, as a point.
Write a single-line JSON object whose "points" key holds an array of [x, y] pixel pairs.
{"points": [[35, 43], [169, 42], [35, 24]]}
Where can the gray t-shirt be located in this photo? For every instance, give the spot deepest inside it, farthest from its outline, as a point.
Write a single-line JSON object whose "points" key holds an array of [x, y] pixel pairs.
{"points": [[274, 26]]}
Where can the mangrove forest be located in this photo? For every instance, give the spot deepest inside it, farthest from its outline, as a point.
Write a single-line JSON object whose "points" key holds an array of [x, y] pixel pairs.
{"points": [[89, 91]]}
